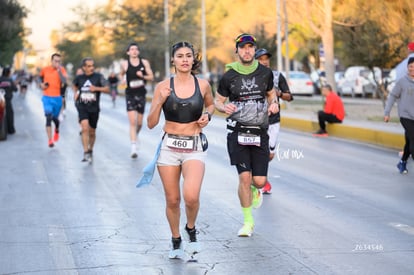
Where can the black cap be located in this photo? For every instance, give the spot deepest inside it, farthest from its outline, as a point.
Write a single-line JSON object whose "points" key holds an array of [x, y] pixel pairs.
{"points": [[244, 39], [261, 52]]}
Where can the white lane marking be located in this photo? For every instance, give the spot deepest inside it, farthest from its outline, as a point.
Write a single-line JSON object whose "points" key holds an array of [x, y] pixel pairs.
{"points": [[403, 227], [60, 250]]}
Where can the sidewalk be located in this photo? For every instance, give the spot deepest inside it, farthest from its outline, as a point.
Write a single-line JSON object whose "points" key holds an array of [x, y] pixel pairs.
{"points": [[363, 121]]}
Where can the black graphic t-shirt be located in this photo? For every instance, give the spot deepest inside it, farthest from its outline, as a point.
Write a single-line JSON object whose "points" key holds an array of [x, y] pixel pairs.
{"points": [[248, 93], [86, 98]]}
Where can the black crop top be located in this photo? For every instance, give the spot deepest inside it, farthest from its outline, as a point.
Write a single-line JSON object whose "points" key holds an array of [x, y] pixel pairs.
{"points": [[183, 110]]}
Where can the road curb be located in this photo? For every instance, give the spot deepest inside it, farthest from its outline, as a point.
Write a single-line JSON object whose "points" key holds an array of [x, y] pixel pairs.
{"points": [[373, 136]]}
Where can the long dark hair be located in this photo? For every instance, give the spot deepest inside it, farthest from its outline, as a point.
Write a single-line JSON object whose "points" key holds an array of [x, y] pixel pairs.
{"points": [[197, 57], [6, 72]]}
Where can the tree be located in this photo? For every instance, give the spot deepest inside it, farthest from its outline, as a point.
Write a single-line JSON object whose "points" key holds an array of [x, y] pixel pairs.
{"points": [[311, 23], [371, 41], [143, 23], [318, 15], [12, 30], [377, 43], [87, 36], [74, 51], [372, 48]]}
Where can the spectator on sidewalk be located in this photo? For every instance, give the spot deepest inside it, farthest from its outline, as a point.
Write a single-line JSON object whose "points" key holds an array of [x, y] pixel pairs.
{"points": [[403, 94], [8, 86], [333, 112]]}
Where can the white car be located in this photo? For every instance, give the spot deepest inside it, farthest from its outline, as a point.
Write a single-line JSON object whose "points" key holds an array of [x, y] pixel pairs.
{"points": [[359, 81], [338, 76], [300, 83]]}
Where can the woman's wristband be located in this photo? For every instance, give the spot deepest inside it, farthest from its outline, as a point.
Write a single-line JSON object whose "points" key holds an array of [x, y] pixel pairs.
{"points": [[209, 115]]}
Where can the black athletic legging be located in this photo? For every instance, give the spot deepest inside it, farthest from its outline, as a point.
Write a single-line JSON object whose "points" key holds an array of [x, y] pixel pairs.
{"points": [[408, 125]]}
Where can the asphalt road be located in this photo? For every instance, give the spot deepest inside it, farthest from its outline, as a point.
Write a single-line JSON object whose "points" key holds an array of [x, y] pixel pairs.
{"points": [[337, 207]]}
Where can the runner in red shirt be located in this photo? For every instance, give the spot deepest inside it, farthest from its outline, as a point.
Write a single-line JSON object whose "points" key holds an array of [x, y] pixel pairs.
{"points": [[52, 78]]}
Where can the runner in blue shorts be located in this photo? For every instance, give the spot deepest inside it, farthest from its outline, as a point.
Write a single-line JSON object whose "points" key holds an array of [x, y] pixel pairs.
{"points": [[52, 77]]}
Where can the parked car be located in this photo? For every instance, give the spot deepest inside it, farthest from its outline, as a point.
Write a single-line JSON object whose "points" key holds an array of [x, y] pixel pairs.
{"points": [[359, 81], [319, 78], [3, 125], [339, 75], [300, 83], [390, 80]]}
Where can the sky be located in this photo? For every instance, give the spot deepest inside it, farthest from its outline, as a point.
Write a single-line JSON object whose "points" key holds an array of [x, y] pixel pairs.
{"points": [[47, 15]]}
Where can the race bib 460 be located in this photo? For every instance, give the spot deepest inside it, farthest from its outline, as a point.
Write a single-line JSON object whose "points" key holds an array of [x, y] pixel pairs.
{"points": [[181, 143]]}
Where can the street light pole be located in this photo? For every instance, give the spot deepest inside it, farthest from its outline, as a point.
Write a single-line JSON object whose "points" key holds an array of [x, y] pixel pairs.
{"points": [[287, 61], [279, 38], [166, 34], [203, 39]]}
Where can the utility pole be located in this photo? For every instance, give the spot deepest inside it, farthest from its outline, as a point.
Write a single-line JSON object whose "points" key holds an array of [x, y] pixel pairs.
{"points": [[203, 39], [166, 35], [279, 38], [287, 61]]}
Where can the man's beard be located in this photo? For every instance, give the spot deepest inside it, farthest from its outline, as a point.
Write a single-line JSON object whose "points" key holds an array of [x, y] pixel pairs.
{"points": [[245, 61]]}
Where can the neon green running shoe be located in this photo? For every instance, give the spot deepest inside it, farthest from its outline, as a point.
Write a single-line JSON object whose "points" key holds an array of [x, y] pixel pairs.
{"points": [[257, 197], [246, 230]]}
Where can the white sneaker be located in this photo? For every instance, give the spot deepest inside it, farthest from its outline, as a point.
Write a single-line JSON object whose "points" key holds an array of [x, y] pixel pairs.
{"points": [[246, 230], [176, 251], [134, 151], [192, 246]]}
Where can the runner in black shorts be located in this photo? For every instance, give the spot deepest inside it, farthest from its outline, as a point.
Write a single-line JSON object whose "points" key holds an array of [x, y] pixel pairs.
{"points": [[248, 86], [89, 87], [282, 92], [138, 71], [135, 103]]}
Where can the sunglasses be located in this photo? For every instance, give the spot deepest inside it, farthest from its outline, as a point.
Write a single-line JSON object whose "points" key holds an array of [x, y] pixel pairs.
{"points": [[245, 38]]}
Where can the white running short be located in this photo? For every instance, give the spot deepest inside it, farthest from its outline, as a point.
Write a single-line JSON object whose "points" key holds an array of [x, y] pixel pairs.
{"points": [[171, 157]]}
